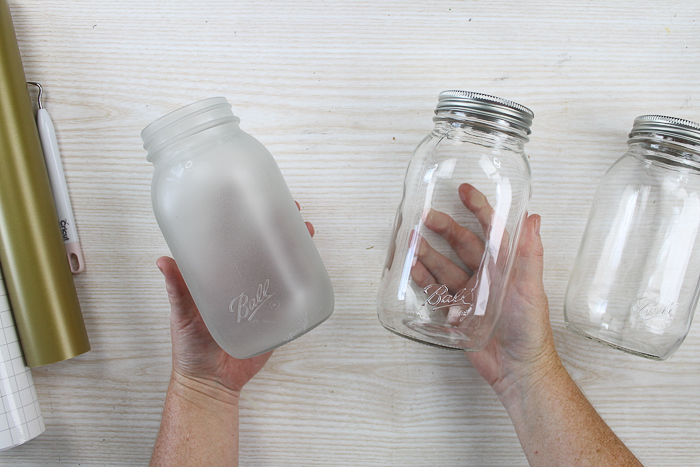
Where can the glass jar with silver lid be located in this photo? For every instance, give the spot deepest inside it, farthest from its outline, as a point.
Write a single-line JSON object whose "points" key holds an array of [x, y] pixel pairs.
{"points": [[465, 197], [635, 282]]}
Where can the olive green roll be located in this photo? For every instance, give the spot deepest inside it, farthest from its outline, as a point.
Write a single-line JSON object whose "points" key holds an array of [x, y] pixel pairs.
{"points": [[32, 256]]}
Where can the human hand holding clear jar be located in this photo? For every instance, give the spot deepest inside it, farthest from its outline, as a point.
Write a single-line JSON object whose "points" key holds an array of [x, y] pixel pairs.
{"points": [[523, 344], [555, 423]]}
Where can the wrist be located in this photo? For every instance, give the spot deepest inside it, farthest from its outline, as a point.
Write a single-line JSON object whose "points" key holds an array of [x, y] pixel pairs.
{"points": [[199, 425], [202, 391], [531, 378]]}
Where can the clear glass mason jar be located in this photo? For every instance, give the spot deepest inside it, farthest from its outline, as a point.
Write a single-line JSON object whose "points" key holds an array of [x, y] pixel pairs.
{"points": [[234, 230], [465, 197], [635, 282]]}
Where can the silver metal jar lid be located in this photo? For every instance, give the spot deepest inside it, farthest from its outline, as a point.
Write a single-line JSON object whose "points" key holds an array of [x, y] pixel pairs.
{"points": [[489, 106], [666, 126]]}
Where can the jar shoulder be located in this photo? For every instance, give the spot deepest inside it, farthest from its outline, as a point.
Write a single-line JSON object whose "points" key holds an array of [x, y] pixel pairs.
{"points": [[460, 151], [212, 143], [645, 167]]}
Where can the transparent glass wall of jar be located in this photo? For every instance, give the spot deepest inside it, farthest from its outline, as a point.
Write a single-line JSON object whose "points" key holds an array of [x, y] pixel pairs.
{"points": [[634, 285], [234, 230], [451, 252]]}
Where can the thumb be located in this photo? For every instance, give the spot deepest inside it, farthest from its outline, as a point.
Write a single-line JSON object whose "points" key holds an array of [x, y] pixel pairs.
{"points": [[181, 302]]}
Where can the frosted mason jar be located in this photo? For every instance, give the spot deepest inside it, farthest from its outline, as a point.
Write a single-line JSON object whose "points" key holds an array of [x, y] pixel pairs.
{"points": [[451, 253], [234, 230], [635, 282]]}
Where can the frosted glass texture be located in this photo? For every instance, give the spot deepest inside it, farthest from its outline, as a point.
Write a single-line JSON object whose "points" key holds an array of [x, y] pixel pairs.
{"points": [[451, 252], [235, 231], [634, 285]]}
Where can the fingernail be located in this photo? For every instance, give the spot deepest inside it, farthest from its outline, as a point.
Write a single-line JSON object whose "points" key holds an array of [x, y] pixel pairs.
{"points": [[477, 201], [537, 226], [160, 269]]}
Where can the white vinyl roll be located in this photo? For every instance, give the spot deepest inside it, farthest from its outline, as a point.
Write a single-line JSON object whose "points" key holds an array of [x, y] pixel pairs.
{"points": [[20, 415]]}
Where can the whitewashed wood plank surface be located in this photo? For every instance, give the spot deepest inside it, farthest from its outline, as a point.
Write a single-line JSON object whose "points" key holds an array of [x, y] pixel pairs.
{"points": [[341, 93]]}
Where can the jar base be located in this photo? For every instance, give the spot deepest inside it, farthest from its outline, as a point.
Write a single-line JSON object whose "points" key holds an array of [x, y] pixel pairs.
{"points": [[614, 345], [434, 335], [291, 338]]}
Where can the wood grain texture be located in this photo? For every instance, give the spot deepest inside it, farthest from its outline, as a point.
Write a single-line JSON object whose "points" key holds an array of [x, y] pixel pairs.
{"points": [[341, 93]]}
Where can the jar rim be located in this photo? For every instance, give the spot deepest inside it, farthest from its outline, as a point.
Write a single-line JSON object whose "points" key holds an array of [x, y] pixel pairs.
{"points": [[185, 122], [666, 126], [487, 105]]}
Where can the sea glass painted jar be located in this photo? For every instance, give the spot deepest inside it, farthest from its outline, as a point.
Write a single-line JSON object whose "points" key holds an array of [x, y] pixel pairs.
{"points": [[635, 282], [235, 231], [452, 249]]}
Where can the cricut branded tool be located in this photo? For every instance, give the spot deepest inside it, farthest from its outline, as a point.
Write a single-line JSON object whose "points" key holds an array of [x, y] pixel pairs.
{"points": [[66, 220]]}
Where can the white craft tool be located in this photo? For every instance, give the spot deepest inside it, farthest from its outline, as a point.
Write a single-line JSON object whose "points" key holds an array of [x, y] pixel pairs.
{"points": [[66, 221]]}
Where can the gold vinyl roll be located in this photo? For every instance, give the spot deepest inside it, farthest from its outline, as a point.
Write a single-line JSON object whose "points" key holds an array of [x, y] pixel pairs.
{"points": [[33, 258]]}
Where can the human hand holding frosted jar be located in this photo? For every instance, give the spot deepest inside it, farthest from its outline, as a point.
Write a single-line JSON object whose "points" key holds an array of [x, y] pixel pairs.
{"points": [[201, 404], [195, 352]]}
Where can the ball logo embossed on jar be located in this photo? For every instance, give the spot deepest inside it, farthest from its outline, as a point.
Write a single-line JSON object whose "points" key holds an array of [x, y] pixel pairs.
{"points": [[246, 307], [439, 297], [650, 308]]}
